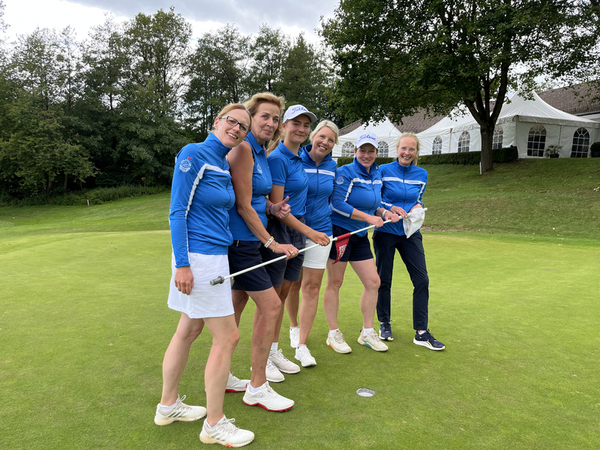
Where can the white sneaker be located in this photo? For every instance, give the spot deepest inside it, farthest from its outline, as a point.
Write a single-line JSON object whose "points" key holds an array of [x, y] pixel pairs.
{"points": [[303, 355], [226, 433], [372, 341], [282, 363], [294, 337], [180, 412], [273, 373], [268, 399], [234, 384], [338, 343]]}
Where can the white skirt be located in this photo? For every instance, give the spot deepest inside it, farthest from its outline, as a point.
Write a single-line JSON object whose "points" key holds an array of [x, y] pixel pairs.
{"points": [[204, 300], [316, 258]]}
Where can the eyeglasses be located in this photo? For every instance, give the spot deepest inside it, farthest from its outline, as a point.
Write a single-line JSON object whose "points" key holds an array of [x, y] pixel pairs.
{"points": [[408, 149], [233, 122]]}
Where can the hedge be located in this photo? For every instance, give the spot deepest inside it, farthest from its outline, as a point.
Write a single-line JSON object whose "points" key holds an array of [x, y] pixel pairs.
{"points": [[500, 155]]}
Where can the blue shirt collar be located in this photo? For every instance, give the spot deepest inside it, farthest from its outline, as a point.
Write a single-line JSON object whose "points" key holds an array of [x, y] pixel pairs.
{"points": [[256, 147], [363, 169], [287, 152], [216, 145], [305, 155]]}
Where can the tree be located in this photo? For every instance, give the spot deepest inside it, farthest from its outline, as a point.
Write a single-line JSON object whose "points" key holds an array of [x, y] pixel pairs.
{"points": [[37, 155], [269, 51], [152, 101], [396, 57], [305, 77], [218, 72], [34, 60], [106, 75], [158, 49]]}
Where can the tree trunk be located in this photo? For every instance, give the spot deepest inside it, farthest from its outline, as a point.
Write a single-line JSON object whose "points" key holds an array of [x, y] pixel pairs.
{"points": [[487, 162]]}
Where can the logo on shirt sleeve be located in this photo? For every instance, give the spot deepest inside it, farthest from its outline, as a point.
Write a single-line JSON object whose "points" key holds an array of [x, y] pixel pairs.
{"points": [[185, 165], [340, 180]]}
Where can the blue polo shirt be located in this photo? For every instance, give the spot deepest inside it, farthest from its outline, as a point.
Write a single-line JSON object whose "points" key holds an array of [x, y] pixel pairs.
{"points": [[320, 187], [287, 171], [261, 187], [355, 188]]}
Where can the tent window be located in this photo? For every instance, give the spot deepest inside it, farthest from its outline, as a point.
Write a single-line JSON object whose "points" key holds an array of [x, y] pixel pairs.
{"points": [[437, 146], [581, 144], [383, 149], [348, 150], [464, 141], [498, 137], [536, 142]]}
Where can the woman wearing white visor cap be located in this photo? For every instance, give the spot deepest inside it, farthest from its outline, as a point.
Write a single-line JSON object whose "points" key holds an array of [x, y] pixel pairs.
{"points": [[290, 180]]}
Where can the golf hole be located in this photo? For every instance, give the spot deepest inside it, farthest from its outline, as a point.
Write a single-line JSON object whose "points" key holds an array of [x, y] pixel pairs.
{"points": [[364, 392]]}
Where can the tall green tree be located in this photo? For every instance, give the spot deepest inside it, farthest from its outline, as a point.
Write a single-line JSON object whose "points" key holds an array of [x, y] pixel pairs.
{"points": [[305, 76], [39, 150], [269, 51], [36, 156], [150, 132], [218, 75], [34, 59], [397, 56], [107, 67]]}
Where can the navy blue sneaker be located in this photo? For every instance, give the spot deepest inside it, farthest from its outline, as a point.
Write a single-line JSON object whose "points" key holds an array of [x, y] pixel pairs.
{"points": [[427, 340], [385, 332]]}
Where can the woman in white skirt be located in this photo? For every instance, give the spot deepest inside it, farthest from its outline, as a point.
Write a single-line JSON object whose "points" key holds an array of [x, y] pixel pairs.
{"points": [[201, 196]]}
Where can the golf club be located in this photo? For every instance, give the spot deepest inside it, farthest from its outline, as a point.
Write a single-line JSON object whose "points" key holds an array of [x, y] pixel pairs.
{"points": [[222, 279]]}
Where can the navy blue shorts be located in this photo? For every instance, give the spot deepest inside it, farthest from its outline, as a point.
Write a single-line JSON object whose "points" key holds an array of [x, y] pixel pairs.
{"points": [[244, 254], [289, 269], [358, 249]]}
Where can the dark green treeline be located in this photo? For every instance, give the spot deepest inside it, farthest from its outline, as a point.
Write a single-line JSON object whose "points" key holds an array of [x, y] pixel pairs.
{"points": [[115, 108]]}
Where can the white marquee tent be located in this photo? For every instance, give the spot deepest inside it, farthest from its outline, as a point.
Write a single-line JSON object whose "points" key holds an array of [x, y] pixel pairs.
{"points": [[530, 125], [387, 136]]}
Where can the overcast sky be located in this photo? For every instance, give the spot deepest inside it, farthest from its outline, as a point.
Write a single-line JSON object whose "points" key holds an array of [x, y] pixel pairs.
{"points": [[293, 17]]}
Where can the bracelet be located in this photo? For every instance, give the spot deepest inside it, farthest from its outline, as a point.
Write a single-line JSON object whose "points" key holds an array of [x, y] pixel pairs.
{"points": [[271, 209], [308, 232], [276, 244], [269, 242], [383, 213]]}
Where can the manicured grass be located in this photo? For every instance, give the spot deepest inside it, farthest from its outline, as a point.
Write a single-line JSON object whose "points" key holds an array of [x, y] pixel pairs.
{"points": [[552, 197], [84, 325]]}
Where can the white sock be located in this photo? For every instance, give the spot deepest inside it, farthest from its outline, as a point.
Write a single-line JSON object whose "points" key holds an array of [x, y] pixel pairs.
{"points": [[166, 408], [332, 332], [297, 327], [367, 331], [300, 345], [254, 390], [274, 346]]}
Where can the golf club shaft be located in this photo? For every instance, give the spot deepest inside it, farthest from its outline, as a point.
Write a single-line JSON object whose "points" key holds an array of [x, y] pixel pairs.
{"points": [[221, 279]]}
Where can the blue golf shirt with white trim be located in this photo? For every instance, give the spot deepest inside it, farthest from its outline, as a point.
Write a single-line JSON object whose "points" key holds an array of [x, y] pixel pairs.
{"points": [[355, 188], [320, 187], [403, 186], [201, 197]]}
